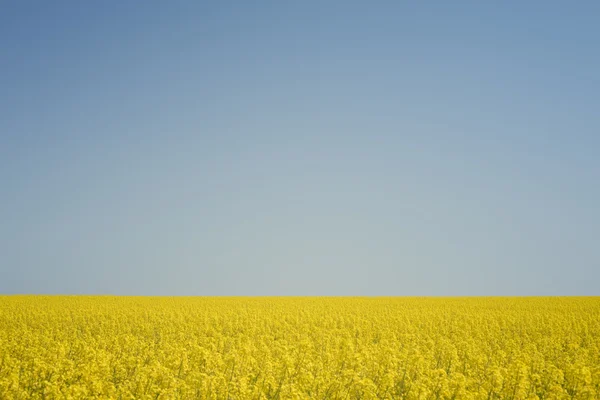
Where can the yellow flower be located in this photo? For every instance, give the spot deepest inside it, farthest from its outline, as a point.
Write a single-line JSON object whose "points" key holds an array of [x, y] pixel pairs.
{"points": [[299, 348]]}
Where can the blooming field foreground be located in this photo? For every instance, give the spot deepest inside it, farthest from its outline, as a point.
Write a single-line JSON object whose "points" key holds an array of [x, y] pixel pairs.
{"points": [[305, 348]]}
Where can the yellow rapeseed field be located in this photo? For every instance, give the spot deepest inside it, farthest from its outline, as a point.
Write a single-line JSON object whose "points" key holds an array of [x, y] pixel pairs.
{"points": [[77, 347]]}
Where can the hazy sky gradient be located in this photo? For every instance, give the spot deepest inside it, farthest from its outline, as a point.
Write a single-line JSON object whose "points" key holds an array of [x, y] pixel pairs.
{"points": [[300, 148]]}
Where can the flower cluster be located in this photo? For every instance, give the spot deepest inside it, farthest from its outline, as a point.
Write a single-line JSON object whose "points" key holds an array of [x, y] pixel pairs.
{"points": [[79, 347]]}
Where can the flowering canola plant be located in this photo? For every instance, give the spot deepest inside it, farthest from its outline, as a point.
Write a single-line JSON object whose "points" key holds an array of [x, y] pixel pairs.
{"points": [[104, 347]]}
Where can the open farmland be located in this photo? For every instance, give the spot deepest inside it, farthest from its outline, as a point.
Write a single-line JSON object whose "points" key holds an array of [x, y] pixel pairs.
{"points": [[299, 348]]}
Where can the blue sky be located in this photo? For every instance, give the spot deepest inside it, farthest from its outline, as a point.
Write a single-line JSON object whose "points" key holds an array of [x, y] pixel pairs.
{"points": [[300, 148]]}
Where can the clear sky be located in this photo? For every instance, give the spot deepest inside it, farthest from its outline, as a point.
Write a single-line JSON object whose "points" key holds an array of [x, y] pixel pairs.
{"points": [[300, 148]]}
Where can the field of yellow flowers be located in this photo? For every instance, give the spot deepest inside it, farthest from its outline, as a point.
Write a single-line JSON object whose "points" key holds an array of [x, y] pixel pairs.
{"points": [[299, 348]]}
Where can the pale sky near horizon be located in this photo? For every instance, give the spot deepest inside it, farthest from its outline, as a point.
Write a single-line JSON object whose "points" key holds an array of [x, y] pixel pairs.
{"points": [[300, 148]]}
